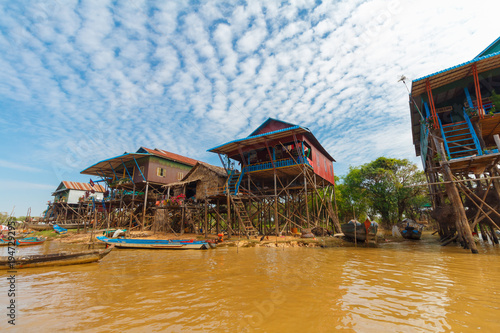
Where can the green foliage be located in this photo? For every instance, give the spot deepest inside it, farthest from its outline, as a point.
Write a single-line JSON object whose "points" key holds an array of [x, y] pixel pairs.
{"points": [[495, 100], [382, 188]]}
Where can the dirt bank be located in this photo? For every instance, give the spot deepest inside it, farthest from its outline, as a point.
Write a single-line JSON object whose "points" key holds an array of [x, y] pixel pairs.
{"points": [[74, 237]]}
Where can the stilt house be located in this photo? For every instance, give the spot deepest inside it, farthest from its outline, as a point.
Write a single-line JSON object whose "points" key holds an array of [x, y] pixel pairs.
{"points": [[279, 165], [71, 192], [136, 182], [455, 117]]}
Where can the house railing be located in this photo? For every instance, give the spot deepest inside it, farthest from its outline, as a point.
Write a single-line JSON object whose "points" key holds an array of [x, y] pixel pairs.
{"points": [[278, 164], [473, 133]]}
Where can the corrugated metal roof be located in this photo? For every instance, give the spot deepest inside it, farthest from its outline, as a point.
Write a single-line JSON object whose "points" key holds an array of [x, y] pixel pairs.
{"points": [[104, 167], [275, 135], [455, 73], [83, 186], [214, 150], [269, 120], [171, 156]]}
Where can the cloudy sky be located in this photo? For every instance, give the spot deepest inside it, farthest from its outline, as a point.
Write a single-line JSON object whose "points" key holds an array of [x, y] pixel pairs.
{"points": [[81, 81]]}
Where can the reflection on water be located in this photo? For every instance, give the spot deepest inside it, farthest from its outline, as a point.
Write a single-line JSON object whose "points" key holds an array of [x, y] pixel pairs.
{"points": [[403, 287]]}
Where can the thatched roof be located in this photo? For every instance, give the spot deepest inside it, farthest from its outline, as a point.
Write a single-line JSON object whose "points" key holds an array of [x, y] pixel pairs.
{"points": [[189, 178], [220, 171]]}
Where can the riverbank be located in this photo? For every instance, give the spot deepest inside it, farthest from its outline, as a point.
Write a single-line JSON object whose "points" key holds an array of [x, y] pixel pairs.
{"points": [[74, 237]]}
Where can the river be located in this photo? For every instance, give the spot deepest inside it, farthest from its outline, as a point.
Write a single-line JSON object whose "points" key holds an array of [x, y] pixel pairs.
{"points": [[396, 287]]}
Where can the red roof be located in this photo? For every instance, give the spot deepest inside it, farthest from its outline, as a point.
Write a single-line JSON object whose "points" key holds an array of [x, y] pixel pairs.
{"points": [[83, 186], [171, 156]]}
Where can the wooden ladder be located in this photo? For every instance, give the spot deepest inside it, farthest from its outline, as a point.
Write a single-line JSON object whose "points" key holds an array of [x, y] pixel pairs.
{"points": [[245, 222]]}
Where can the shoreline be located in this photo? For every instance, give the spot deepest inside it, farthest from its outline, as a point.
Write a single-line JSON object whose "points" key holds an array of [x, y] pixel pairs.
{"points": [[74, 237]]}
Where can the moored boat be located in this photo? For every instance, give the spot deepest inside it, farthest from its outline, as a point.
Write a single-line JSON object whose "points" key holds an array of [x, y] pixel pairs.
{"points": [[23, 241], [410, 229], [359, 232], [59, 229], [56, 259], [38, 226], [169, 244]]}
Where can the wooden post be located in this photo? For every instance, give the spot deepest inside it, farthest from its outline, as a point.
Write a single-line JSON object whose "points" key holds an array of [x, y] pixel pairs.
{"points": [[206, 218], [228, 221], [183, 213], [131, 209], [144, 208], [276, 222], [455, 199], [305, 197], [217, 226]]}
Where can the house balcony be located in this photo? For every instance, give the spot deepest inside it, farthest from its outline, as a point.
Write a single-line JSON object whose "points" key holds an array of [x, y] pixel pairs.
{"points": [[283, 163]]}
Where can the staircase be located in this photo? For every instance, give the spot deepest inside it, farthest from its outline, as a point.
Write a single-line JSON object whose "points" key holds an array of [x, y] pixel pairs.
{"points": [[234, 182], [460, 139], [245, 222]]}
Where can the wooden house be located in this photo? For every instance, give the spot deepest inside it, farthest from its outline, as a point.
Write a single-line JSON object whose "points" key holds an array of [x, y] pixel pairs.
{"points": [[201, 182], [146, 166], [71, 192], [136, 181], [279, 165], [276, 147], [455, 116]]}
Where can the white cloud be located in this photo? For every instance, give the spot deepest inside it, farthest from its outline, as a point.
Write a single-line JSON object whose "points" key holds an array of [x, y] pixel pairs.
{"points": [[100, 77]]}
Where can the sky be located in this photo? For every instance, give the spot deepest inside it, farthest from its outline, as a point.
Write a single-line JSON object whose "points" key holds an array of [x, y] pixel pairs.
{"points": [[82, 81]]}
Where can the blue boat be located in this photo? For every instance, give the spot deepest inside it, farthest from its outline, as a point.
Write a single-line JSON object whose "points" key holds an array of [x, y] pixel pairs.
{"points": [[168, 244], [410, 229], [59, 229]]}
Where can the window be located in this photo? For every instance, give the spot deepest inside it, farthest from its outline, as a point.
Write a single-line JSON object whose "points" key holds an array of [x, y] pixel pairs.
{"points": [[180, 175], [160, 172]]}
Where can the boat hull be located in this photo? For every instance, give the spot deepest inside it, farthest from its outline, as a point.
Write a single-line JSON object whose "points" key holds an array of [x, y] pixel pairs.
{"points": [[411, 234], [57, 259], [156, 244], [38, 227], [23, 242], [360, 235]]}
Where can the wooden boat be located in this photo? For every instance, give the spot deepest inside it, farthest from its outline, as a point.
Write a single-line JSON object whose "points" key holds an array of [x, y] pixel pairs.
{"points": [[17, 236], [360, 234], [23, 241], [56, 259], [410, 229], [49, 226], [38, 226], [169, 244]]}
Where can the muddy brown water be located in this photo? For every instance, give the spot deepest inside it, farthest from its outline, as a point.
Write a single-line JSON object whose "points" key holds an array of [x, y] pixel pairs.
{"points": [[397, 287]]}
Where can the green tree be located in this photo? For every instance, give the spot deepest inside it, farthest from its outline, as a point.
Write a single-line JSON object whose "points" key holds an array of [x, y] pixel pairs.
{"points": [[383, 187]]}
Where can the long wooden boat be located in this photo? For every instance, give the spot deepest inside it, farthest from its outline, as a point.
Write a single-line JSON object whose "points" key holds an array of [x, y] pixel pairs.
{"points": [[56, 259], [38, 226], [49, 226], [360, 234], [167, 244], [23, 241], [410, 229]]}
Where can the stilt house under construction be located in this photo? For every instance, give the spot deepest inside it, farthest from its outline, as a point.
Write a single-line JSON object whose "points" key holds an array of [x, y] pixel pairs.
{"points": [[456, 125], [67, 197]]}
